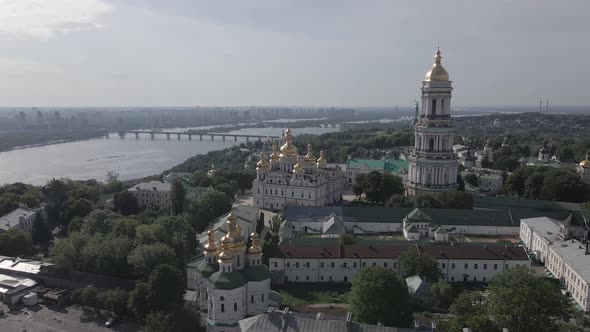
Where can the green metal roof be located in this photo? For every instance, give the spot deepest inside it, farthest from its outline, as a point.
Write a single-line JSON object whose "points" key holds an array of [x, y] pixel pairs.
{"points": [[418, 215], [207, 269], [256, 273], [227, 280], [389, 165]]}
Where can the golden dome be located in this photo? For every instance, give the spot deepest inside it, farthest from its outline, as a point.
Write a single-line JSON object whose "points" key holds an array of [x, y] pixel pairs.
{"points": [[237, 240], [585, 162], [309, 157], [275, 156], [254, 248], [298, 168], [262, 163], [288, 149], [322, 162], [437, 73], [226, 256], [210, 246], [211, 171]]}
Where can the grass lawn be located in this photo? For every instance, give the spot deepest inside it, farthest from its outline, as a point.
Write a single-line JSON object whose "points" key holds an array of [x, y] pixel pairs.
{"points": [[300, 295]]}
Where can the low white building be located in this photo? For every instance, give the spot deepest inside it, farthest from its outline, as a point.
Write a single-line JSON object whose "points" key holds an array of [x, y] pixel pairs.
{"points": [[152, 193], [569, 261], [538, 234], [21, 218], [14, 287], [490, 183], [324, 260]]}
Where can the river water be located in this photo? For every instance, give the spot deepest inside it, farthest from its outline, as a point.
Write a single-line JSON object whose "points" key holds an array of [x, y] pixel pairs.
{"points": [[130, 157]]}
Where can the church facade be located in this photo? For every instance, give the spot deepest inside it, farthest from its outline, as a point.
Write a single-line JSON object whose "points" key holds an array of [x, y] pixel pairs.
{"points": [[432, 164], [232, 283], [286, 178]]}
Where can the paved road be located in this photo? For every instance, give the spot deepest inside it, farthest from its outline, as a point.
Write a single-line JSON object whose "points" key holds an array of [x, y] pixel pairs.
{"points": [[42, 319]]}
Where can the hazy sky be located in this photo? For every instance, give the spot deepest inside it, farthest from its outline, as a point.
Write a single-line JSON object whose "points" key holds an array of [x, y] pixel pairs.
{"points": [[273, 52]]}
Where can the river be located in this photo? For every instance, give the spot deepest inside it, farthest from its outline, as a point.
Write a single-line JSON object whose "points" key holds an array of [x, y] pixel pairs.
{"points": [[131, 158]]}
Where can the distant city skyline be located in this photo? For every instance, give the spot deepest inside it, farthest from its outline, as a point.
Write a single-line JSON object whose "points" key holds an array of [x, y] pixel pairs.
{"points": [[282, 53]]}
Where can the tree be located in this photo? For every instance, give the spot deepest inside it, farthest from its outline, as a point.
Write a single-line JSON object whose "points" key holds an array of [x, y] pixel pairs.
{"points": [[146, 257], [160, 321], [114, 300], [166, 287], [360, 185], [534, 185], [469, 310], [471, 178], [73, 207], [456, 200], [399, 201], [208, 206], [8, 202], [427, 201], [371, 298], [15, 242], [30, 200], [126, 203], [521, 301], [89, 297], [138, 302], [228, 188], [442, 294], [41, 232], [98, 221], [177, 197], [197, 177], [413, 263]]}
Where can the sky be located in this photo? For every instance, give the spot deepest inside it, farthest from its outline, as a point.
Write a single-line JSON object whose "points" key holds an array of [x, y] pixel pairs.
{"points": [[290, 53]]}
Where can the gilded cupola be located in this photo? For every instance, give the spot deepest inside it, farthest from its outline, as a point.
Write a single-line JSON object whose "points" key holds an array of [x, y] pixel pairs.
{"points": [[309, 157], [255, 246], [275, 155], [322, 162], [226, 255], [210, 247], [262, 163], [437, 73], [288, 149], [585, 163], [233, 232], [298, 168]]}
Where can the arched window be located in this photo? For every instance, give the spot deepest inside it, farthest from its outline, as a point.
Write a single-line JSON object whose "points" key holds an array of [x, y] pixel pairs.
{"points": [[442, 106], [235, 306], [419, 142], [433, 106]]}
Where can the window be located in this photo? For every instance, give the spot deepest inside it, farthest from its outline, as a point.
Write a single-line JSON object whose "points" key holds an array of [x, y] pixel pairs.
{"points": [[475, 266], [297, 278], [444, 265], [374, 264], [474, 278], [495, 266], [344, 264], [433, 106], [235, 306], [452, 278], [222, 307], [322, 278], [322, 264], [452, 265], [466, 266], [288, 264], [307, 278], [345, 279], [395, 265], [332, 265], [385, 264], [275, 264], [485, 266], [307, 265], [330, 278], [262, 297], [251, 298], [297, 265], [354, 265]]}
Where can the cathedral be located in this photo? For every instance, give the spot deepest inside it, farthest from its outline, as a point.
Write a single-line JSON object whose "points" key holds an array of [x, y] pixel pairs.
{"points": [[432, 163], [232, 283], [287, 178]]}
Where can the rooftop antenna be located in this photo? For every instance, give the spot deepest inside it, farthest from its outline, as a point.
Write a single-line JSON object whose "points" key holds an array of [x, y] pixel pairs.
{"points": [[547, 107]]}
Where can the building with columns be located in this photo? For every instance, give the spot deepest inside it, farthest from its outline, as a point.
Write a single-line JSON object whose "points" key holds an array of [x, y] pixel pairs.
{"points": [[232, 283], [287, 178], [433, 164]]}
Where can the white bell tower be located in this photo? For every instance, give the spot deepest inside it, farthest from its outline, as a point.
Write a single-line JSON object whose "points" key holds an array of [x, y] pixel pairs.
{"points": [[432, 164]]}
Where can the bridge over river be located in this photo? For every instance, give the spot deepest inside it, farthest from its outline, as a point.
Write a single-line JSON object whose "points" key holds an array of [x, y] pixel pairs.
{"points": [[152, 134]]}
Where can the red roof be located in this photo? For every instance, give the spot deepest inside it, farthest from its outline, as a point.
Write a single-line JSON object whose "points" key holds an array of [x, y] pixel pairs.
{"points": [[393, 251]]}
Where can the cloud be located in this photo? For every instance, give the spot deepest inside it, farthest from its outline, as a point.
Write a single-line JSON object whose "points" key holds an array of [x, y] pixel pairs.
{"points": [[46, 19]]}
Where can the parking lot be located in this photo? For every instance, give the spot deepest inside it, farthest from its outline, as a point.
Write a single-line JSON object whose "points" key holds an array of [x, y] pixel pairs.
{"points": [[39, 318]]}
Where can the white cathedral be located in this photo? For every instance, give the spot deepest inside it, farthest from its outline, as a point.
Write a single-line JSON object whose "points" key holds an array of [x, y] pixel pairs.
{"points": [[290, 179], [232, 283], [433, 164]]}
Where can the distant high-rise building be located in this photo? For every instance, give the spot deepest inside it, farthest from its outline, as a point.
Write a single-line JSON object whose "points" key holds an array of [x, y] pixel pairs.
{"points": [[432, 164]]}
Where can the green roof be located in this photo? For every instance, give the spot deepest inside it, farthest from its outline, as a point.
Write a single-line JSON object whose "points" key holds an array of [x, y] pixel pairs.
{"points": [[227, 280], [256, 273], [418, 215], [207, 269], [389, 165]]}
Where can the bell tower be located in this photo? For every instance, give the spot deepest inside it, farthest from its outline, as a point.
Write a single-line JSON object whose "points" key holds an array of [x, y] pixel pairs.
{"points": [[432, 164]]}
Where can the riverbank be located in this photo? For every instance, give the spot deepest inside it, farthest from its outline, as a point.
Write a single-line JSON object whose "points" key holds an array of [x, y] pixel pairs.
{"points": [[18, 140]]}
